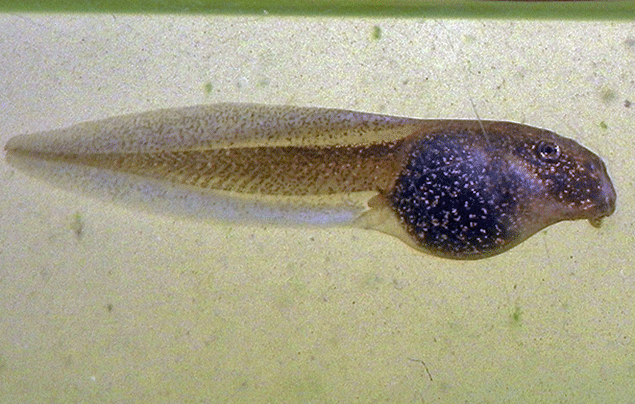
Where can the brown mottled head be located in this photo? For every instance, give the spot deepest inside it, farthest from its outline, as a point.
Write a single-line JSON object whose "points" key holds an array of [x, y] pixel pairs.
{"points": [[464, 194]]}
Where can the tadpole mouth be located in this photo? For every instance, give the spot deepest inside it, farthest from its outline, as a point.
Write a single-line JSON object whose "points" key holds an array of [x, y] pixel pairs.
{"points": [[596, 221], [605, 205]]}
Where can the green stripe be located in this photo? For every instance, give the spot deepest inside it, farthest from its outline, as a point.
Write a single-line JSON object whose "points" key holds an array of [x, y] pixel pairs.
{"points": [[578, 10]]}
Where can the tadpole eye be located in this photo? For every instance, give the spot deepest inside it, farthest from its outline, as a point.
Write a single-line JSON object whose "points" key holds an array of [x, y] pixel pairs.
{"points": [[549, 152]]}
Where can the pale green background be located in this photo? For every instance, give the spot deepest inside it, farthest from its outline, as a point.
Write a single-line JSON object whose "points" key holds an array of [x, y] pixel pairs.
{"points": [[143, 308]]}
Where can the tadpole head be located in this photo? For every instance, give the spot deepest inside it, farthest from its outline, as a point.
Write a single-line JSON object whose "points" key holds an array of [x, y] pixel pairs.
{"points": [[571, 181], [477, 189]]}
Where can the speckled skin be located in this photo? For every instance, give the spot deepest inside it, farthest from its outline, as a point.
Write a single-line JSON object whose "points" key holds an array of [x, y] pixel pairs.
{"points": [[460, 189]]}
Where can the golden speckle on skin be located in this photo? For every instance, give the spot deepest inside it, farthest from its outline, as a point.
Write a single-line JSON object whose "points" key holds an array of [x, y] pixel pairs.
{"points": [[460, 189]]}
